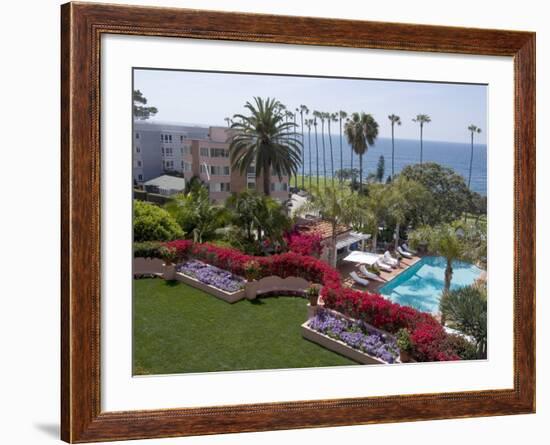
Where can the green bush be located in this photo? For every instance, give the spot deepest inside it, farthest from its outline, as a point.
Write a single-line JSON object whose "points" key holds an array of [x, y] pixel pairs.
{"points": [[148, 249], [465, 309], [151, 223]]}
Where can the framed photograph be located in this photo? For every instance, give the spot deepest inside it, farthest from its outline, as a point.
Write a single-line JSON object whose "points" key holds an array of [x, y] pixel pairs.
{"points": [[275, 222]]}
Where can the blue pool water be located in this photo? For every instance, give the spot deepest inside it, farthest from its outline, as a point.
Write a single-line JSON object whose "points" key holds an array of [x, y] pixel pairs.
{"points": [[420, 286]]}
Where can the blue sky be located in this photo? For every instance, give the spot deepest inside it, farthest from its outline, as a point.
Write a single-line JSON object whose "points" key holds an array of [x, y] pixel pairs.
{"points": [[207, 98]]}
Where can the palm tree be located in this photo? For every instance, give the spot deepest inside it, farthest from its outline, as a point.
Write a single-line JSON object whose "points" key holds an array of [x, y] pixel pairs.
{"points": [[444, 240], [335, 203], [322, 117], [196, 214], [466, 310], [243, 207], [309, 123], [422, 119], [394, 119], [316, 115], [263, 139], [361, 131], [227, 121], [473, 129], [331, 117], [303, 110], [291, 117], [341, 115], [372, 210], [403, 197]]}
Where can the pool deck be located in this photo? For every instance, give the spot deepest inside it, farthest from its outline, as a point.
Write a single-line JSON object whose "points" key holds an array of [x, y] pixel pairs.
{"points": [[346, 268]]}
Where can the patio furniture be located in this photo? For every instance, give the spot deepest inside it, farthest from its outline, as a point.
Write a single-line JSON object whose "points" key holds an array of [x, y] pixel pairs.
{"points": [[369, 275], [358, 279], [406, 248], [389, 260], [383, 266], [362, 257], [403, 252]]}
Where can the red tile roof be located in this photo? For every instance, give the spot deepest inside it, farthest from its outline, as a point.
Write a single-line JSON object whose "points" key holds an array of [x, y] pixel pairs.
{"points": [[322, 228]]}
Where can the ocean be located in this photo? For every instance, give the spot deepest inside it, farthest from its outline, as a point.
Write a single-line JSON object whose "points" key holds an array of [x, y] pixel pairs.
{"points": [[407, 151]]}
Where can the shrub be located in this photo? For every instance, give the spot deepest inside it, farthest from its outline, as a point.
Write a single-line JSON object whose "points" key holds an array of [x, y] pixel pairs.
{"points": [[404, 340], [466, 310], [252, 270], [304, 244], [148, 249], [151, 223]]}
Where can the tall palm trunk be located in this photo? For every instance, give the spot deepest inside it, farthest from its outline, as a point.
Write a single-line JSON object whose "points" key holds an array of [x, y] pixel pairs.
{"points": [[360, 172], [331, 153], [303, 150], [317, 154], [375, 239], [471, 160], [309, 151], [296, 173], [421, 143], [324, 151], [396, 235], [448, 275], [267, 180], [392, 149], [332, 251], [341, 153]]}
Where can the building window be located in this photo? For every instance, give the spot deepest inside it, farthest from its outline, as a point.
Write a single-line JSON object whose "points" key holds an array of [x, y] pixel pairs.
{"points": [[204, 152], [168, 165], [203, 169], [168, 151], [278, 187], [219, 153], [186, 150], [138, 149], [220, 187], [219, 170], [140, 177], [250, 185], [139, 163], [185, 166], [137, 135]]}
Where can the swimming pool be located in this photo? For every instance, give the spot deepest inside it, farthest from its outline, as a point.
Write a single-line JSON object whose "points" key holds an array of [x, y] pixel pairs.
{"points": [[420, 286]]}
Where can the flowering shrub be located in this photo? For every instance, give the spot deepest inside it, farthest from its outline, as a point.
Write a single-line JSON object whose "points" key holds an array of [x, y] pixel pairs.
{"points": [[211, 275], [429, 340], [355, 334], [304, 244]]}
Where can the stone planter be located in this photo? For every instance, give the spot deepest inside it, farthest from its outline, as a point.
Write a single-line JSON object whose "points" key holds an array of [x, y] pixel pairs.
{"points": [[169, 271], [339, 347], [229, 297], [251, 289]]}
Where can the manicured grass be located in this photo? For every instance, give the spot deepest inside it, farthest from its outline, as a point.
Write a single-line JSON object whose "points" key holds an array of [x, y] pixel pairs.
{"points": [[180, 329], [329, 182]]}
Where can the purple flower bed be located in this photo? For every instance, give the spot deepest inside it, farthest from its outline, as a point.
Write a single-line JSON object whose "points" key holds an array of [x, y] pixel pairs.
{"points": [[211, 275], [357, 335]]}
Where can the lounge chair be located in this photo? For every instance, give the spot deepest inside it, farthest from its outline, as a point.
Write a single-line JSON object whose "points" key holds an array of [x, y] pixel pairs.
{"points": [[383, 266], [369, 275], [358, 279], [403, 252], [389, 260], [406, 248]]}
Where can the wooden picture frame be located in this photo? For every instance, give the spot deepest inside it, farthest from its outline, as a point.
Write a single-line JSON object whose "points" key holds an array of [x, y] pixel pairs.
{"points": [[82, 26]]}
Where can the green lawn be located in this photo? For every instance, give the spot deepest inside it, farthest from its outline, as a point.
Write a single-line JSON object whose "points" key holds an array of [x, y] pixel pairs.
{"points": [[180, 329]]}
